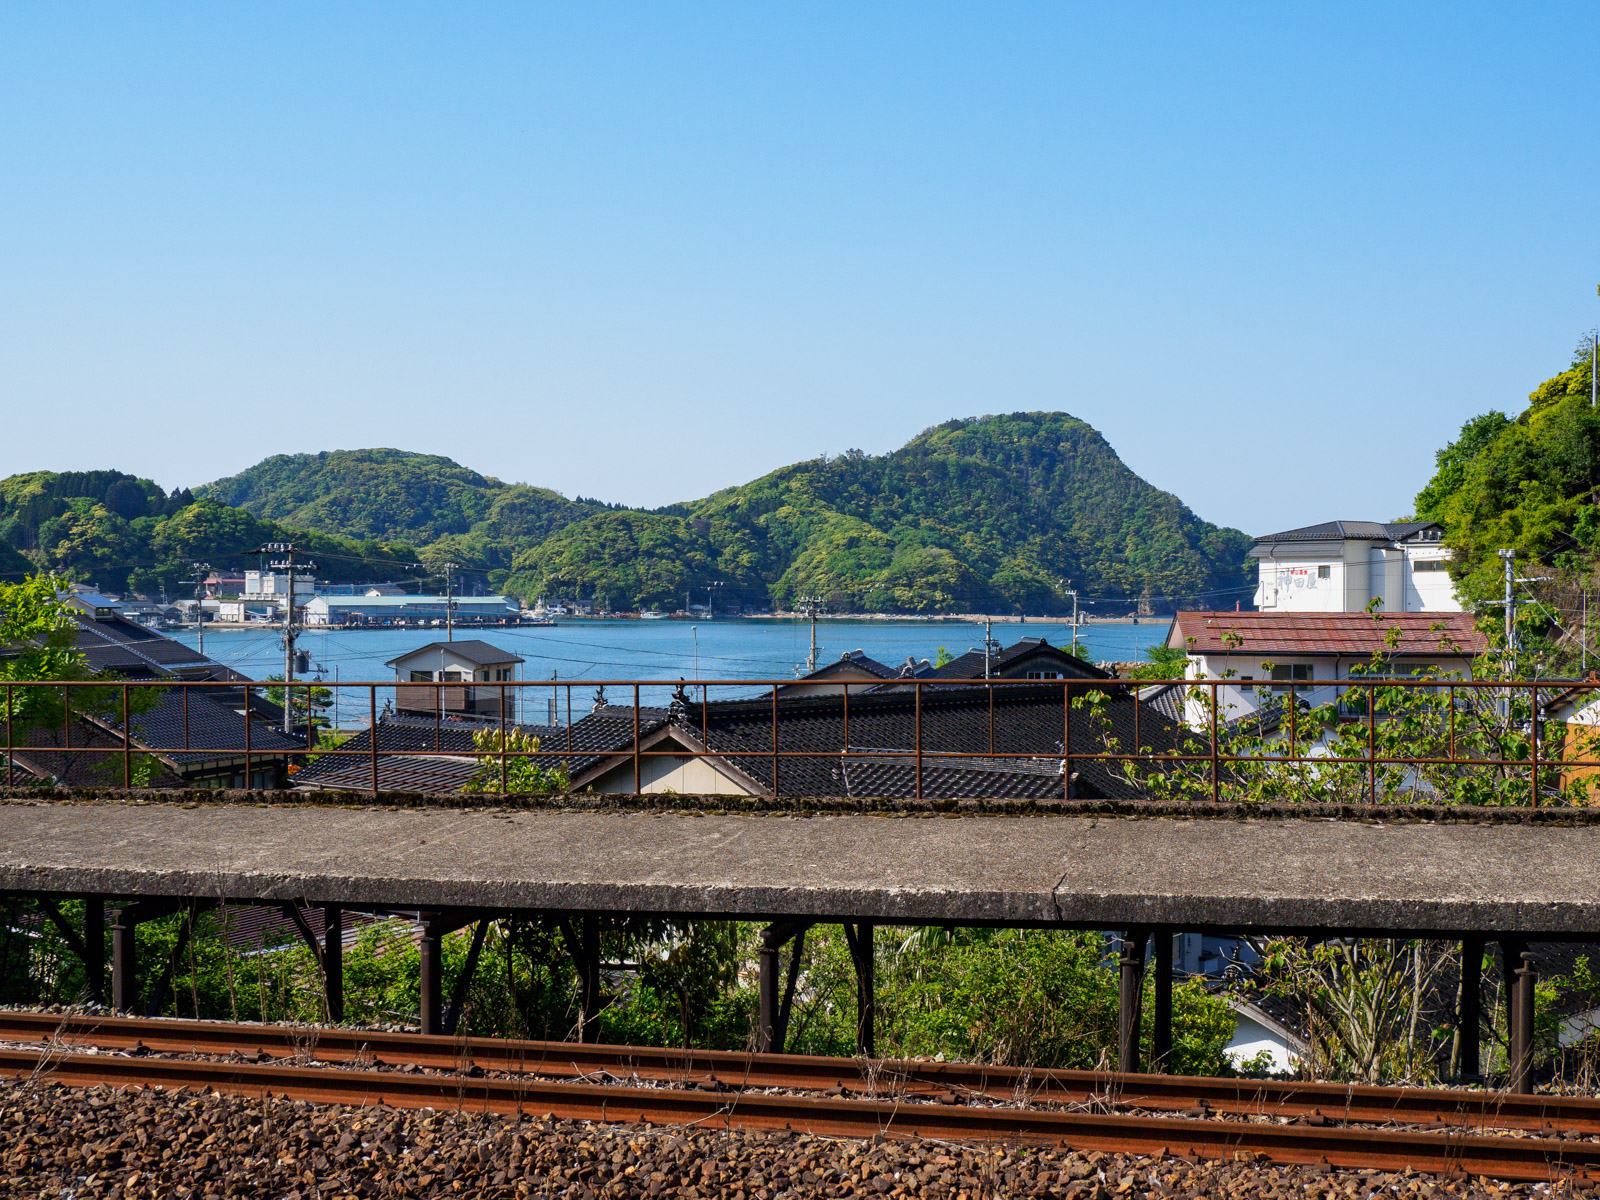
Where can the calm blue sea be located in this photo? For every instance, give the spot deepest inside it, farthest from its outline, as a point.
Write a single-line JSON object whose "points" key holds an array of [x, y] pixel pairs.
{"points": [[585, 652]]}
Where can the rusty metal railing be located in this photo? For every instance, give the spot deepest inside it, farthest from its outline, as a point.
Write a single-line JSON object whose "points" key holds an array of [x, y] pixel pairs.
{"points": [[1386, 738]]}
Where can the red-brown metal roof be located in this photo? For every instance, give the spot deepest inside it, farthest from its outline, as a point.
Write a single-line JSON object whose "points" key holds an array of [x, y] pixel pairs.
{"points": [[1359, 634]]}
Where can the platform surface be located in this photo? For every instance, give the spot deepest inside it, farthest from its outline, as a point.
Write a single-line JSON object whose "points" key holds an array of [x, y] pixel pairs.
{"points": [[1089, 871]]}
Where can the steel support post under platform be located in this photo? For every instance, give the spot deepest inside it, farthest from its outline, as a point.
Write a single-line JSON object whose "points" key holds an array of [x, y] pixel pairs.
{"points": [[1161, 1019], [1130, 999], [125, 953], [1520, 978], [859, 939], [772, 1019], [435, 1018], [333, 960], [1469, 1010]]}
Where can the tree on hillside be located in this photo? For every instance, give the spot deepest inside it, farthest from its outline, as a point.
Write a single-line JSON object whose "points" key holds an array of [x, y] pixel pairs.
{"points": [[1531, 484]]}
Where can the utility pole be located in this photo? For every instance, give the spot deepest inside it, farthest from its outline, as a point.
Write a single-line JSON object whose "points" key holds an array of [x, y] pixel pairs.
{"points": [[287, 551], [1068, 589], [809, 605], [200, 571], [449, 604], [988, 644]]}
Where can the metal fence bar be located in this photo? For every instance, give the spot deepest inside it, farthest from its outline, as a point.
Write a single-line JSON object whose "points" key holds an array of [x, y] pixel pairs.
{"points": [[1216, 777], [637, 783], [504, 779], [1533, 745], [916, 689], [372, 732], [1066, 738], [1372, 745], [1370, 757], [249, 779], [127, 743]]}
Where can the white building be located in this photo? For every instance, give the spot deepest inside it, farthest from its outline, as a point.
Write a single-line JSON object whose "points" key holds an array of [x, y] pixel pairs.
{"points": [[1261, 653], [269, 587], [1342, 566], [410, 610]]}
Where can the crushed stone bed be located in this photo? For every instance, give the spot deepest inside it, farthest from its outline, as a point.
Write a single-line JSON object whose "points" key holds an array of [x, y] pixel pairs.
{"points": [[62, 1142]]}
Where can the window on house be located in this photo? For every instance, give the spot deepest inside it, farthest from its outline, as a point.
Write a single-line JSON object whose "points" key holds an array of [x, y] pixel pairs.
{"points": [[422, 677], [1043, 675], [1291, 673], [1428, 564], [1324, 572]]}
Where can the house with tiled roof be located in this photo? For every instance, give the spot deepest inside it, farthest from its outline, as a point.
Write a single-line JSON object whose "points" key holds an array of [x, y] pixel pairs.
{"points": [[1344, 566], [826, 744], [1264, 656], [183, 738]]}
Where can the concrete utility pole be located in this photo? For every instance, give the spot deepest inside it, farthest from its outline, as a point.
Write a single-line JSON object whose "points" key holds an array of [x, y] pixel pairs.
{"points": [[200, 571], [809, 606], [449, 604], [988, 644], [1509, 559], [287, 550]]}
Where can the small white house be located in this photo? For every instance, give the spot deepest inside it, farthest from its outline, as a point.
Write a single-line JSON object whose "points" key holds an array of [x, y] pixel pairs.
{"points": [[1261, 654], [465, 662], [1342, 566]]}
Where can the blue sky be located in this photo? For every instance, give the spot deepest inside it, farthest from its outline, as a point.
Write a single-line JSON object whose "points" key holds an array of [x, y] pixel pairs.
{"points": [[1275, 254]]}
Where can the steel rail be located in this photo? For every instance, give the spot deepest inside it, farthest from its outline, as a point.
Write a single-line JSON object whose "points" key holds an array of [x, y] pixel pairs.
{"points": [[1439, 1152], [1354, 1104]]}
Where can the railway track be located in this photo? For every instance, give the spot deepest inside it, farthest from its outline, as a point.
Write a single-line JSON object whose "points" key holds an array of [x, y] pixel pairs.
{"points": [[1441, 1151], [912, 1081]]}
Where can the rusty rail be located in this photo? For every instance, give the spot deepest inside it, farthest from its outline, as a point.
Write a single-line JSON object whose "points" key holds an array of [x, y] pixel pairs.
{"points": [[1440, 1152], [728, 1069]]}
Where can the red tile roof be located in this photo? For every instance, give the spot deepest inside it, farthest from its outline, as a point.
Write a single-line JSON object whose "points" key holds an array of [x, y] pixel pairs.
{"points": [[1359, 634]]}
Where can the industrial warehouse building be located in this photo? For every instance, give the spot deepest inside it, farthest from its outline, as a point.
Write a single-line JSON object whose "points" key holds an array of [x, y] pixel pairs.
{"points": [[409, 610]]}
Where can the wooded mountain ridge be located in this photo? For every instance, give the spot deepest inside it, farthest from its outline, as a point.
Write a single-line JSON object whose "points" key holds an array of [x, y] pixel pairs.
{"points": [[999, 513]]}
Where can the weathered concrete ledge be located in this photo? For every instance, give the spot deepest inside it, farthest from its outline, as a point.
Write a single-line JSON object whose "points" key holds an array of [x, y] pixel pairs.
{"points": [[673, 802], [1095, 871]]}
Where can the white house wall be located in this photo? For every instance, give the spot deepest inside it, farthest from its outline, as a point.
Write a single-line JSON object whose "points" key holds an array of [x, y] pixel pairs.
{"points": [[685, 774], [1359, 572]]}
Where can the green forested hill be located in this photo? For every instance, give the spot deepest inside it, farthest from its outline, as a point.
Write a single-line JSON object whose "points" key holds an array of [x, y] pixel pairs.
{"points": [[1531, 483], [125, 533], [986, 514], [996, 514], [400, 495]]}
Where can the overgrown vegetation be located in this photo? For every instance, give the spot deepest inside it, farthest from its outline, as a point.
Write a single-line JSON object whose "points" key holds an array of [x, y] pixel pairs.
{"points": [[123, 533], [1532, 484]]}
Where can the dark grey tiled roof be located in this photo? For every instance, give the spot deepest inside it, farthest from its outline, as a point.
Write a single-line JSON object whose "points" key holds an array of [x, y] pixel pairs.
{"points": [[80, 761], [474, 650], [403, 767], [1010, 660], [1167, 700], [213, 729], [1338, 531], [1026, 720]]}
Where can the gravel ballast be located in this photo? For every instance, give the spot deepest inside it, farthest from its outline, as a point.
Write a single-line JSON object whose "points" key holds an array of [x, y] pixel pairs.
{"points": [[99, 1142]]}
